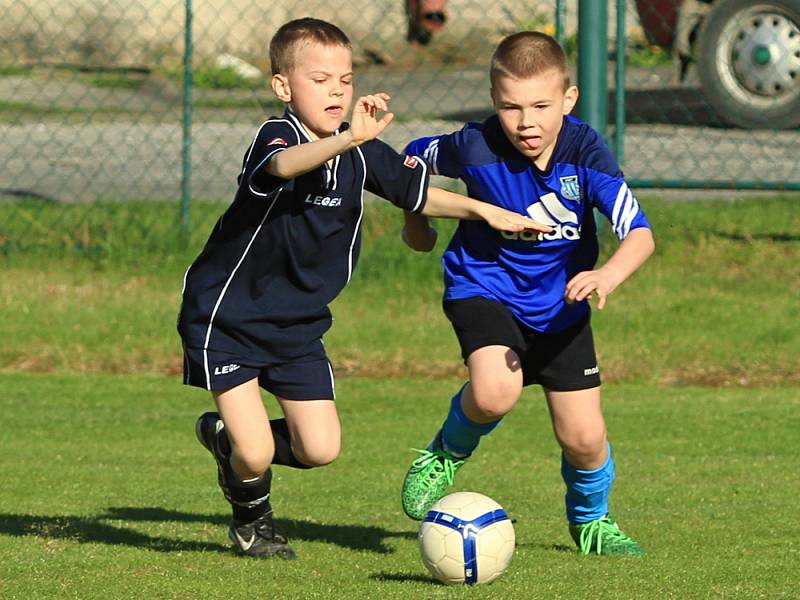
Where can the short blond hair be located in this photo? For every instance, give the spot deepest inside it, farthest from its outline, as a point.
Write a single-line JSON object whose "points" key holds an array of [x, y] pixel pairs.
{"points": [[527, 54], [287, 41]]}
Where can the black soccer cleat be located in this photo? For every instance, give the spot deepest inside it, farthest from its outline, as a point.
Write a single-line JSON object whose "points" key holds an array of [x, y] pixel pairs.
{"points": [[210, 431], [260, 539]]}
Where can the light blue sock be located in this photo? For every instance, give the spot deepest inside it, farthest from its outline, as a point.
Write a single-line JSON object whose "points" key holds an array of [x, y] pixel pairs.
{"points": [[460, 435], [587, 491]]}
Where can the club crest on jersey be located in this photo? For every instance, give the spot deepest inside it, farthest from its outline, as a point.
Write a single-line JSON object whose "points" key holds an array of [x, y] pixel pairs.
{"points": [[570, 188], [410, 162], [277, 142]]}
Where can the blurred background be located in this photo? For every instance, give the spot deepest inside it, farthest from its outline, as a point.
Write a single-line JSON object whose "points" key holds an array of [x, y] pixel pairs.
{"points": [[103, 100]]}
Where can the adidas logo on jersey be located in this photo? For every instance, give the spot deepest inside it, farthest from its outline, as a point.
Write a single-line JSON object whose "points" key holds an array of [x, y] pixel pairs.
{"points": [[549, 210]]}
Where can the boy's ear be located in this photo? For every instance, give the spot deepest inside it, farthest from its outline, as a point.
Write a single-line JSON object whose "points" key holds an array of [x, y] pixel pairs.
{"points": [[570, 99], [281, 89]]}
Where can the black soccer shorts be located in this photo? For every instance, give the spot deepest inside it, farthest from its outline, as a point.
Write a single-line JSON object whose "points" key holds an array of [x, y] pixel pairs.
{"points": [[563, 361], [306, 378]]}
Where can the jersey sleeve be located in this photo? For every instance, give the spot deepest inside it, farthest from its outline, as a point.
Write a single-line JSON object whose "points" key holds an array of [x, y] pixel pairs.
{"points": [[401, 179], [440, 152], [275, 135], [609, 192]]}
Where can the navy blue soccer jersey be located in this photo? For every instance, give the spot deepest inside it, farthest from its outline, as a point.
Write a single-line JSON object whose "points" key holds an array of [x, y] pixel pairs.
{"points": [[528, 272], [284, 249]]}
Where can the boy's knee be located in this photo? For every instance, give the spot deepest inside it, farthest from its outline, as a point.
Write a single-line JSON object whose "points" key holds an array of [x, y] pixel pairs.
{"points": [[495, 398], [317, 455], [250, 466], [584, 447], [318, 451], [251, 460]]}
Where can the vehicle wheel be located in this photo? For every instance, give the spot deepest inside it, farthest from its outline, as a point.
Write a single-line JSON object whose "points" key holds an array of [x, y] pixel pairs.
{"points": [[748, 60]]}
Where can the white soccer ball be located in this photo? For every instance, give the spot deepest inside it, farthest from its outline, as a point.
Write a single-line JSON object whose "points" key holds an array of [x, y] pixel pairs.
{"points": [[466, 538]]}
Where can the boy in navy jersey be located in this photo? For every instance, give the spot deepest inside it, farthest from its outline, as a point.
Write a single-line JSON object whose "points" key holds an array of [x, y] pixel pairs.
{"points": [[519, 302], [255, 301]]}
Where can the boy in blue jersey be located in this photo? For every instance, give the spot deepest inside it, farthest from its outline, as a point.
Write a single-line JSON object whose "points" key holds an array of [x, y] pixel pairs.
{"points": [[519, 302], [255, 301]]}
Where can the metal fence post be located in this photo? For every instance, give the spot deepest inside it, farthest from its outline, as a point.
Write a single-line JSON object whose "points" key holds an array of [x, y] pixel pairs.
{"points": [[592, 61], [619, 85], [186, 154], [561, 21]]}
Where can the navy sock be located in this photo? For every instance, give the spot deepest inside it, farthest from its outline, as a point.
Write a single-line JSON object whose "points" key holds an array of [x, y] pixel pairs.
{"points": [[250, 499], [460, 435], [587, 491], [283, 445]]}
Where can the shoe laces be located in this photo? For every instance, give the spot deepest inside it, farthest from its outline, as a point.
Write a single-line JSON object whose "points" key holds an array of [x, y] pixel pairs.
{"points": [[265, 528], [436, 464], [602, 531]]}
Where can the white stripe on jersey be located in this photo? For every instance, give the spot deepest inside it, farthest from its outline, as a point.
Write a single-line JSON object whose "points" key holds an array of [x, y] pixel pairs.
{"points": [[537, 212], [227, 283], [334, 170], [261, 164], [628, 219], [424, 166], [625, 210], [333, 383], [431, 155], [298, 125], [267, 157], [627, 205], [560, 212], [621, 197], [360, 215]]}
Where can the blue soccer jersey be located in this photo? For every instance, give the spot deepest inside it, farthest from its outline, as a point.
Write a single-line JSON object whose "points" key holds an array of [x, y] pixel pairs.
{"points": [[528, 272]]}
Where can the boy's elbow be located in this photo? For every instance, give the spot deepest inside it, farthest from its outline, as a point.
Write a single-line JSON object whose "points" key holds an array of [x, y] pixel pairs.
{"points": [[649, 242], [419, 240]]}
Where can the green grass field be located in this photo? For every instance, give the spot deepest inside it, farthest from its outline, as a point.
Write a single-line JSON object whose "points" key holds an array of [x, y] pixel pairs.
{"points": [[106, 493]]}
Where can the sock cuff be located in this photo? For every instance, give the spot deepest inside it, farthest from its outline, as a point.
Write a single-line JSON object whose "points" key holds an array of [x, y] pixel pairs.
{"points": [[589, 477], [458, 412]]}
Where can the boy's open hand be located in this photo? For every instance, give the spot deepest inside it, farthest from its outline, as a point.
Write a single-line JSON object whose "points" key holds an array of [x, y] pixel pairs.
{"points": [[584, 284], [505, 220], [364, 124]]}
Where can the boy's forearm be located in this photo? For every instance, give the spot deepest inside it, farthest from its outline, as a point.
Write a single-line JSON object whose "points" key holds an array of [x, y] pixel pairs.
{"points": [[442, 203], [417, 232], [295, 161], [631, 254]]}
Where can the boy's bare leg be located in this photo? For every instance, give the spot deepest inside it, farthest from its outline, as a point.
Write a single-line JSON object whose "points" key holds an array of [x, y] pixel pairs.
{"points": [[242, 410], [495, 384], [314, 429], [588, 471], [579, 426], [493, 390], [243, 449]]}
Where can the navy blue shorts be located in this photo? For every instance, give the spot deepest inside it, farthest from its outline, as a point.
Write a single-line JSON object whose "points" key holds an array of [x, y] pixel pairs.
{"points": [[309, 377], [564, 361]]}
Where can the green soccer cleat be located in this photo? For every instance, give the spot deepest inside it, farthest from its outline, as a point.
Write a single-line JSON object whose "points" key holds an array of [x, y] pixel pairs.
{"points": [[428, 478], [603, 536]]}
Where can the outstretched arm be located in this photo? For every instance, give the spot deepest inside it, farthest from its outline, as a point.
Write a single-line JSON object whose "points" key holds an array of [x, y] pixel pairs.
{"points": [[364, 126], [631, 254], [442, 203]]}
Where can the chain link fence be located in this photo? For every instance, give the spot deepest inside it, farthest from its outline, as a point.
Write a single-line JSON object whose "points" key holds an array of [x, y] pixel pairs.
{"points": [[96, 108]]}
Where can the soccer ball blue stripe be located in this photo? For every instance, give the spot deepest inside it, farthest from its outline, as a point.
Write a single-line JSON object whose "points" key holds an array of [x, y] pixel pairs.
{"points": [[468, 530]]}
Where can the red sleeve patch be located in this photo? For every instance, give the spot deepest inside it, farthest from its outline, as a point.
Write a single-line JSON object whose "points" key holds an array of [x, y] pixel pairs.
{"points": [[410, 162], [277, 141]]}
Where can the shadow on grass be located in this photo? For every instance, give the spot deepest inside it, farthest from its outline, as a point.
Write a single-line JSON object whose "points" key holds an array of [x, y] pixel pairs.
{"points": [[96, 529], [770, 237], [402, 577]]}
